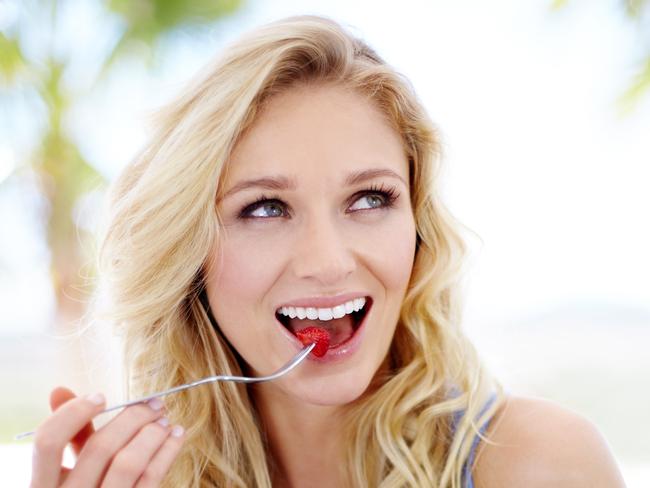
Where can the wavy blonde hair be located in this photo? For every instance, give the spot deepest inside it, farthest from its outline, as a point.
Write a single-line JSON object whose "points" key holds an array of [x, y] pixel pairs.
{"points": [[162, 226]]}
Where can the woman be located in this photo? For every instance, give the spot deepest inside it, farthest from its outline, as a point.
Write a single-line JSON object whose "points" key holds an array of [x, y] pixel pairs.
{"points": [[293, 185]]}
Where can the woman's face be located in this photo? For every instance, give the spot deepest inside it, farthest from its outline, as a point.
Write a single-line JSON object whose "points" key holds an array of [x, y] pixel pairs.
{"points": [[316, 213]]}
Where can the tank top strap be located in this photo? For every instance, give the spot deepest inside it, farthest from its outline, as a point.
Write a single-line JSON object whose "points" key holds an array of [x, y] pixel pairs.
{"points": [[467, 481]]}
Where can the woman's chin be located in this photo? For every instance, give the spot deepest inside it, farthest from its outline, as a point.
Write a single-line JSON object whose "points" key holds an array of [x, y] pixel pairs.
{"points": [[329, 392]]}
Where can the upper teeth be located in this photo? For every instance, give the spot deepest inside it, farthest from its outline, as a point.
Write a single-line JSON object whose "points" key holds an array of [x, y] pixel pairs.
{"points": [[324, 313]]}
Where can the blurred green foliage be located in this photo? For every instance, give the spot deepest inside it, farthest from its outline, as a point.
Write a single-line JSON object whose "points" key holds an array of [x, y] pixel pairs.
{"points": [[63, 173], [638, 12], [635, 8], [147, 21], [12, 61]]}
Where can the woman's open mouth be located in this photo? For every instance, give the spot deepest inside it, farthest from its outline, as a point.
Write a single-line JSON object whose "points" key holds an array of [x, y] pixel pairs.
{"points": [[341, 321]]}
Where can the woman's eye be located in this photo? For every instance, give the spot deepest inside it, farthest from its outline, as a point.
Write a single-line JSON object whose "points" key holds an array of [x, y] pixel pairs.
{"points": [[369, 201], [267, 208], [264, 210]]}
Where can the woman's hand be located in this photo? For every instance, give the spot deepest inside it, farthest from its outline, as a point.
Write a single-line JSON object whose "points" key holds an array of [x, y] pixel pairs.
{"points": [[136, 448]]}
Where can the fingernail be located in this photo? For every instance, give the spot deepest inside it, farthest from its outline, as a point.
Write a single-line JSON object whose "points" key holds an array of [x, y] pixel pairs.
{"points": [[97, 398], [155, 403], [177, 431], [164, 421]]}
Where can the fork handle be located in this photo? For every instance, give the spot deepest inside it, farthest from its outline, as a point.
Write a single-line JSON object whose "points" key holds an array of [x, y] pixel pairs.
{"points": [[22, 435], [209, 379], [239, 379]]}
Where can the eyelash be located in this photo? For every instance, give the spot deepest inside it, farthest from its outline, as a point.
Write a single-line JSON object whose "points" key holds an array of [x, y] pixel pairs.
{"points": [[388, 194]]}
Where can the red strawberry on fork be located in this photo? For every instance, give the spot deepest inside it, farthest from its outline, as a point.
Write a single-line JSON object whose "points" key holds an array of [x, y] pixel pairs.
{"points": [[315, 335]]}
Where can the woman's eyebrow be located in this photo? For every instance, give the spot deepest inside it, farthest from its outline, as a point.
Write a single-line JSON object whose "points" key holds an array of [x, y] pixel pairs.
{"points": [[369, 174], [283, 183], [267, 182]]}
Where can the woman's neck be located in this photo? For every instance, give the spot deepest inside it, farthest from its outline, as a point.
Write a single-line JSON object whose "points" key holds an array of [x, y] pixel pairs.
{"points": [[305, 440]]}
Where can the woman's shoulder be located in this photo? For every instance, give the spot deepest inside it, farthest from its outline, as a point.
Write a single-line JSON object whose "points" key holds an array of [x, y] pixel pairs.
{"points": [[537, 443]]}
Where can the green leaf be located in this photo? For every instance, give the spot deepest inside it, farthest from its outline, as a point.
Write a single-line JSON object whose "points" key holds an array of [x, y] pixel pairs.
{"points": [[146, 22], [12, 61], [558, 4], [634, 8], [639, 87]]}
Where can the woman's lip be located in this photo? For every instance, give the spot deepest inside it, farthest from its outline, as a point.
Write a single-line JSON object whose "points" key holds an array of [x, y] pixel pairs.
{"points": [[340, 351]]}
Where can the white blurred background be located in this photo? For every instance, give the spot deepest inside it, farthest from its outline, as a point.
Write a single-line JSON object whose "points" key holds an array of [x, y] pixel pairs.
{"points": [[546, 162]]}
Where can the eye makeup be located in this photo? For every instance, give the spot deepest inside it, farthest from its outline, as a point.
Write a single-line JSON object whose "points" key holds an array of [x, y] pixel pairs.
{"points": [[386, 194]]}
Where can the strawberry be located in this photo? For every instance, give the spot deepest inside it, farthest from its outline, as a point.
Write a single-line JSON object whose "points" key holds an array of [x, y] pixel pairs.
{"points": [[315, 335]]}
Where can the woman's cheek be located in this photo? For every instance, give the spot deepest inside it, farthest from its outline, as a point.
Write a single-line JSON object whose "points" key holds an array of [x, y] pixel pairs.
{"points": [[390, 248], [245, 261]]}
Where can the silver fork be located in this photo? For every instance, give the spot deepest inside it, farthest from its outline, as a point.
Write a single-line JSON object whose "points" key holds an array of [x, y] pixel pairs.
{"points": [[297, 359]]}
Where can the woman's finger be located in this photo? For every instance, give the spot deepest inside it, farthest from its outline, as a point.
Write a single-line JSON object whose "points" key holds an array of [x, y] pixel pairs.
{"points": [[161, 462], [98, 452], [58, 397], [54, 434], [129, 464]]}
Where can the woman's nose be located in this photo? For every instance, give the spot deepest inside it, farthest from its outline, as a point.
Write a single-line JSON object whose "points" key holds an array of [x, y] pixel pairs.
{"points": [[323, 253]]}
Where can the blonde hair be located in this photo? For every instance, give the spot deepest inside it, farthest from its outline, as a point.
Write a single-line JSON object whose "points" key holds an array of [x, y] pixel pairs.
{"points": [[163, 225]]}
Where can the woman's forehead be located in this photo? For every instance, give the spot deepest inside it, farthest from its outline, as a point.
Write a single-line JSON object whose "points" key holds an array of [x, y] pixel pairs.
{"points": [[319, 129]]}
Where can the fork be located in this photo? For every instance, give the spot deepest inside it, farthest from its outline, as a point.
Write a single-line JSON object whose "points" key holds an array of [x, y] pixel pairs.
{"points": [[297, 359]]}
